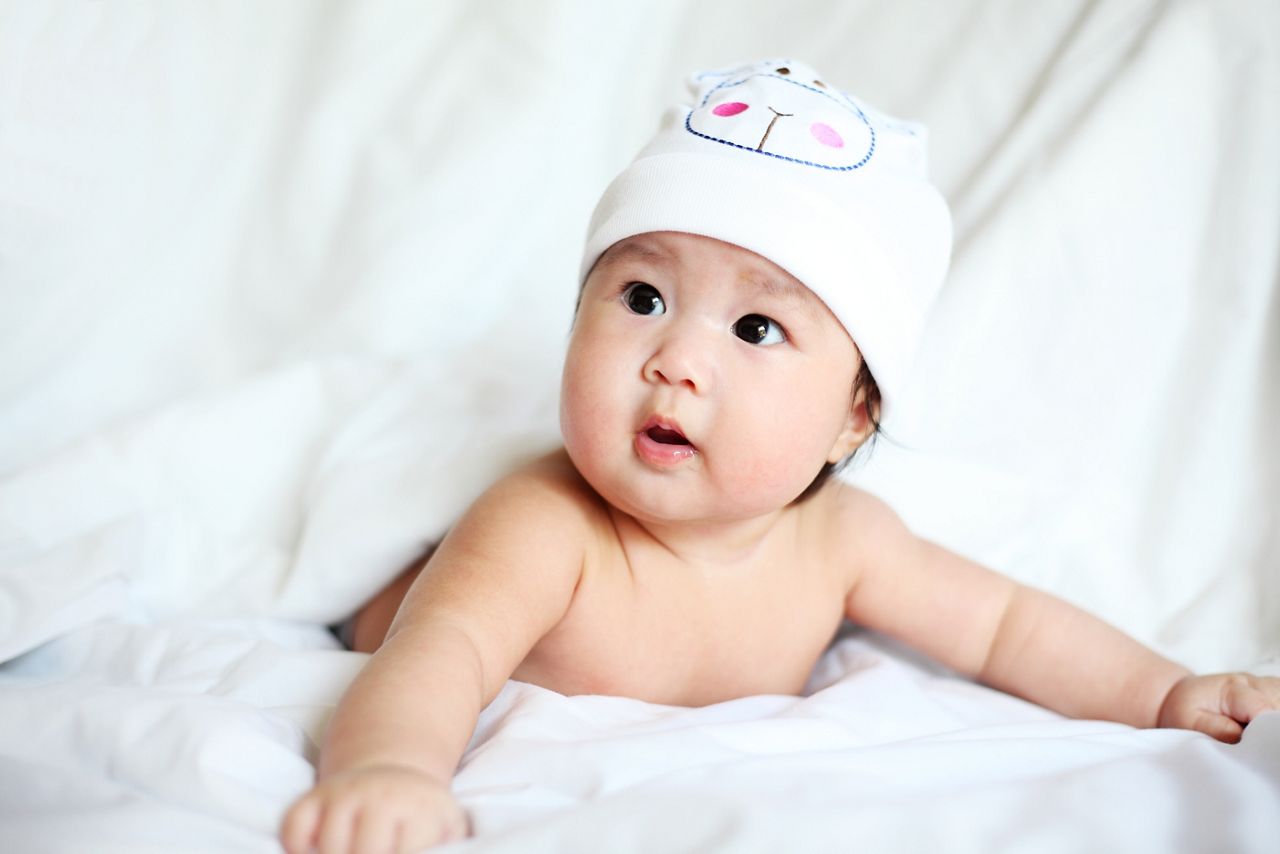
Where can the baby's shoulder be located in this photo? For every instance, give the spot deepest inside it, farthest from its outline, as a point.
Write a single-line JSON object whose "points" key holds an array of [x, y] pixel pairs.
{"points": [[541, 514], [843, 504], [545, 491], [855, 523]]}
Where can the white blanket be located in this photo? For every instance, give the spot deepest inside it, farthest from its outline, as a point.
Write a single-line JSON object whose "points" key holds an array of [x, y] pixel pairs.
{"points": [[194, 736], [282, 287]]}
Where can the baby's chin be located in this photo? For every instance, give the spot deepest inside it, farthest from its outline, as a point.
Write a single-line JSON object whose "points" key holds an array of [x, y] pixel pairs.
{"points": [[681, 505]]}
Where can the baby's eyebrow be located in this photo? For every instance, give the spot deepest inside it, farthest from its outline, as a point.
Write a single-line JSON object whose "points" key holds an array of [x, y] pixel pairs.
{"points": [[786, 290], [633, 249]]}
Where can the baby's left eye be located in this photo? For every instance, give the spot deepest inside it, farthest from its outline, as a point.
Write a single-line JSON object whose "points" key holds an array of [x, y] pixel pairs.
{"points": [[758, 329]]}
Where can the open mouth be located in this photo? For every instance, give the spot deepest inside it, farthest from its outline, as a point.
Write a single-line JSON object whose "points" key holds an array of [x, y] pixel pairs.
{"points": [[666, 436], [661, 443]]}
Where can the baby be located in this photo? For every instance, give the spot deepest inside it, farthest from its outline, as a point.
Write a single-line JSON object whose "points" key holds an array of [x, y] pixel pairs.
{"points": [[754, 285]]}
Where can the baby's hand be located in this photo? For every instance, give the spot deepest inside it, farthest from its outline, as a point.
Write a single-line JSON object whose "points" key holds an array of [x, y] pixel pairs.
{"points": [[382, 808], [1220, 705]]}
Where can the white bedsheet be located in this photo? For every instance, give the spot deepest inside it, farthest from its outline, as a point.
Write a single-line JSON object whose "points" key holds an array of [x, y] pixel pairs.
{"points": [[282, 287], [195, 735]]}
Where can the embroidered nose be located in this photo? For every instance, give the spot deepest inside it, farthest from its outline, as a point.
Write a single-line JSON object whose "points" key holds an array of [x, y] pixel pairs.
{"points": [[776, 115]]}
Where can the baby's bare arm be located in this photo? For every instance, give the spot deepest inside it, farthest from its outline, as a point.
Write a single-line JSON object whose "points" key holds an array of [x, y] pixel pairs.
{"points": [[502, 579], [1062, 657], [1007, 635]]}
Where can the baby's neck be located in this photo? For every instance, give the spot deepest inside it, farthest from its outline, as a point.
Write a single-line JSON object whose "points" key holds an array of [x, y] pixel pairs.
{"points": [[715, 543]]}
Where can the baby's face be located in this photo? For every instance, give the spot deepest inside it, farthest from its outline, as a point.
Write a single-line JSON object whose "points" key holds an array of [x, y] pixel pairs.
{"points": [[703, 382]]}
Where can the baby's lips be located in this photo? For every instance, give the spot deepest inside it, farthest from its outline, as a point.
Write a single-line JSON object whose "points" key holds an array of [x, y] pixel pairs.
{"points": [[665, 431], [663, 455]]}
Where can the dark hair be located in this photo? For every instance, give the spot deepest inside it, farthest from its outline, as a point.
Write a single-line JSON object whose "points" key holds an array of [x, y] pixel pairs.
{"points": [[871, 403]]}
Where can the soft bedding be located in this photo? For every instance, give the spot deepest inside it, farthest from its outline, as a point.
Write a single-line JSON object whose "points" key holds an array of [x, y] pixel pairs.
{"points": [[284, 286]]}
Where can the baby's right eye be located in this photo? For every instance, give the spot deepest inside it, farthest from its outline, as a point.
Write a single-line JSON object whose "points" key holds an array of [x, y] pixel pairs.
{"points": [[643, 299]]}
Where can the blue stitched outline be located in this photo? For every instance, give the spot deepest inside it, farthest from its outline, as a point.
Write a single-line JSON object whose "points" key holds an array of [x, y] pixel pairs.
{"points": [[735, 82]]}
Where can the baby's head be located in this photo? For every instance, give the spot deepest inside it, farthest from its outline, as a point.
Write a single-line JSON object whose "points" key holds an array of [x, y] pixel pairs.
{"points": [[761, 271]]}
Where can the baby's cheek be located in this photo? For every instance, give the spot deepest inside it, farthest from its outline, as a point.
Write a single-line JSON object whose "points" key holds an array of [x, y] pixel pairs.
{"points": [[588, 411], [578, 410], [771, 476], [807, 426], [782, 457]]}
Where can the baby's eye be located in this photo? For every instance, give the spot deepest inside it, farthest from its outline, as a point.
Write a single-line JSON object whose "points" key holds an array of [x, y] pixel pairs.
{"points": [[758, 329], [643, 299]]}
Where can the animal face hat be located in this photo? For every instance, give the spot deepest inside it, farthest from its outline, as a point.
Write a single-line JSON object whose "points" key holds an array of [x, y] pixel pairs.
{"points": [[773, 159]]}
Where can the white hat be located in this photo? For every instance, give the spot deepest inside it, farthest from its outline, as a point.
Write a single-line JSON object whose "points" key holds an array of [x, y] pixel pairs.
{"points": [[774, 160]]}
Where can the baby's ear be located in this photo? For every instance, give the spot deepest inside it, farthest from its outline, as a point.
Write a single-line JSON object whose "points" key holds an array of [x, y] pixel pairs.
{"points": [[858, 427]]}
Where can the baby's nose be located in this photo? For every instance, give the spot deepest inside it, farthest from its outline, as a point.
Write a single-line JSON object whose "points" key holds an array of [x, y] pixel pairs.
{"points": [[682, 359]]}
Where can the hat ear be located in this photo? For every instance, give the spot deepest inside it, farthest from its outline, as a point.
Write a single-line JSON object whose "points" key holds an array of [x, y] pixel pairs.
{"points": [[702, 82]]}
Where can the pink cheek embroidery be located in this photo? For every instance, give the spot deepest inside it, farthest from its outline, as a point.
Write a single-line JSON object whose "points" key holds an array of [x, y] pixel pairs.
{"points": [[730, 108], [826, 135]]}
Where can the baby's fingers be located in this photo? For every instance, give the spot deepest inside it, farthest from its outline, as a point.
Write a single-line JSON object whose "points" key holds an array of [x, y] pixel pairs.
{"points": [[427, 829], [377, 832], [1221, 727], [1246, 697], [336, 827], [298, 830]]}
